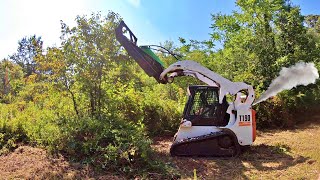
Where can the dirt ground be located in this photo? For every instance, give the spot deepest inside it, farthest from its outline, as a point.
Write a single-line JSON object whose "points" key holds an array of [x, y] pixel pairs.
{"points": [[34, 163], [289, 154], [259, 162]]}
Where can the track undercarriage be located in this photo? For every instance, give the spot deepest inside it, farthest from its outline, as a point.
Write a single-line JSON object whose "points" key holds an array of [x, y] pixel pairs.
{"points": [[219, 144]]}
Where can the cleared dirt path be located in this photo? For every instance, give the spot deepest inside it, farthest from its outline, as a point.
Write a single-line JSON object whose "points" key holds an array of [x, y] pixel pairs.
{"points": [[34, 163]]}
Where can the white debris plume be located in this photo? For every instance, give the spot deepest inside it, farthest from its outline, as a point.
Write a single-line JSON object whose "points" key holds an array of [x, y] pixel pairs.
{"points": [[299, 74]]}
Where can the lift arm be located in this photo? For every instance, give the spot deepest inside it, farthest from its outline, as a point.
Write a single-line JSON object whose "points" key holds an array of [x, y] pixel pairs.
{"points": [[194, 69], [153, 67]]}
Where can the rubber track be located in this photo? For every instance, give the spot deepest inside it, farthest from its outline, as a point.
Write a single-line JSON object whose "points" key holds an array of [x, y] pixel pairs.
{"points": [[207, 137]]}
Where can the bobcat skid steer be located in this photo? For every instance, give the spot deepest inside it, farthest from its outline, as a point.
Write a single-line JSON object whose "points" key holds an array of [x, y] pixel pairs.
{"points": [[210, 125]]}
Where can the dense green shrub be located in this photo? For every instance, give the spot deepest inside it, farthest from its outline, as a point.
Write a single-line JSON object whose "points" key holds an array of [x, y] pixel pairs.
{"points": [[46, 119], [111, 143], [162, 108], [273, 114]]}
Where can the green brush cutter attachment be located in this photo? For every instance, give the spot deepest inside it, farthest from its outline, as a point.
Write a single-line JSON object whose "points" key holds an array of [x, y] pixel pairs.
{"points": [[143, 55]]}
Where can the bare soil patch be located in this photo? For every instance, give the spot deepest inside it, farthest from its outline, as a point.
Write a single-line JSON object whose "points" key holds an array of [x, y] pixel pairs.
{"points": [[35, 163]]}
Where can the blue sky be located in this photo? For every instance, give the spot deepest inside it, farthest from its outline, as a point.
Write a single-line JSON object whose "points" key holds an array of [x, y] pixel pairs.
{"points": [[152, 21]]}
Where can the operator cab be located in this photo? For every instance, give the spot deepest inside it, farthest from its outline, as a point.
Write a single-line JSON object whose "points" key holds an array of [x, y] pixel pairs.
{"points": [[203, 107]]}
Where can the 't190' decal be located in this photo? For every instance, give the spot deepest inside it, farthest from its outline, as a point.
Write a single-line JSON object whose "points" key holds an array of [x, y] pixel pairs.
{"points": [[244, 120], [244, 117]]}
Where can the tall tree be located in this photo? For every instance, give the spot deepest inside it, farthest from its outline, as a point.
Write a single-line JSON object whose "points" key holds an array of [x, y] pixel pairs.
{"points": [[313, 24], [260, 38], [90, 51], [313, 21], [11, 78], [28, 49]]}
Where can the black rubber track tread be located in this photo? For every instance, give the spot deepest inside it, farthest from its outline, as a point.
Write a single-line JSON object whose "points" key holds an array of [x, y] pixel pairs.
{"points": [[206, 145]]}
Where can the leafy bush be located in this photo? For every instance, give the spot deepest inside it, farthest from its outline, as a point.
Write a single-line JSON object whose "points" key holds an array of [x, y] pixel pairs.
{"points": [[8, 142], [158, 107], [283, 109], [273, 114], [162, 109], [110, 143]]}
